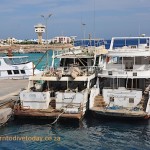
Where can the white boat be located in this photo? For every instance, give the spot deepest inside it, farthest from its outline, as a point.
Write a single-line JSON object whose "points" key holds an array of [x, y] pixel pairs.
{"points": [[20, 51], [62, 91], [16, 67], [126, 81]]}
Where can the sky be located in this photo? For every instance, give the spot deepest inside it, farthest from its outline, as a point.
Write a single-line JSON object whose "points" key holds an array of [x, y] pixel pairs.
{"points": [[101, 18]]}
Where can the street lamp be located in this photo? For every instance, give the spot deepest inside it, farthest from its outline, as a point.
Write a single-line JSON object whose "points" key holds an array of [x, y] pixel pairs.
{"points": [[46, 31], [83, 24]]}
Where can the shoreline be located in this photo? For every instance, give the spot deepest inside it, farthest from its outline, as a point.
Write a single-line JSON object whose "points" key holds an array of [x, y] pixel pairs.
{"points": [[33, 48]]}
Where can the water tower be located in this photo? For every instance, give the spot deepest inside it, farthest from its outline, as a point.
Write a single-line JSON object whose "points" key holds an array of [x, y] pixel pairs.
{"points": [[39, 29]]}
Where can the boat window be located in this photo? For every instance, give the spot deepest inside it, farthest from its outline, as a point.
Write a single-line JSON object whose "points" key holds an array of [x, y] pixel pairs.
{"points": [[97, 61], [16, 71], [9, 72], [70, 61], [131, 100], [22, 71], [66, 62], [16, 61], [8, 61], [111, 99], [24, 60], [63, 85], [83, 61], [93, 82]]}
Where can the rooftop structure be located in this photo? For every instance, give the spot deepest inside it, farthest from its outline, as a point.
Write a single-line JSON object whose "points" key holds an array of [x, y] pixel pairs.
{"points": [[39, 29]]}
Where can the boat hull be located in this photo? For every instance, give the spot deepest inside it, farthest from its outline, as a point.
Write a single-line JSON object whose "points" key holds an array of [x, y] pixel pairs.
{"points": [[119, 115], [45, 114]]}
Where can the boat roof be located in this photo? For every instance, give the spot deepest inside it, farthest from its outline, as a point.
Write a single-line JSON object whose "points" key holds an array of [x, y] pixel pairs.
{"points": [[74, 53], [81, 52], [138, 50], [134, 37], [127, 38]]}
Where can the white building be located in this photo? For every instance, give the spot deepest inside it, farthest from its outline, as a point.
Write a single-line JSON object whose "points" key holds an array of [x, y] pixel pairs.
{"points": [[62, 39], [11, 40]]}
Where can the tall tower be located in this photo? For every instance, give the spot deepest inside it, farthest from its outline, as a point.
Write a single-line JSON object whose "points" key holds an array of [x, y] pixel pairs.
{"points": [[39, 29]]}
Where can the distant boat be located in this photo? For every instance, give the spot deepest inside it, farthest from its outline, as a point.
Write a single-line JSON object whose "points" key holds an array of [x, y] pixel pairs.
{"points": [[16, 67], [20, 50]]}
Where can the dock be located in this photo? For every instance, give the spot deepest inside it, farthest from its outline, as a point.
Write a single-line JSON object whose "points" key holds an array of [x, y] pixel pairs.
{"points": [[9, 90]]}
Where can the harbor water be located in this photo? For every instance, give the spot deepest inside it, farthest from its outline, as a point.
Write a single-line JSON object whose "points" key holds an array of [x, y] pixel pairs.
{"points": [[92, 133]]}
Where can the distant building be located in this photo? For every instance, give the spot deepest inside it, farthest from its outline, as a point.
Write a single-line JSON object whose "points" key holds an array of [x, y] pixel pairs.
{"points": [[11, 40], [39, 29], [62, 39]]}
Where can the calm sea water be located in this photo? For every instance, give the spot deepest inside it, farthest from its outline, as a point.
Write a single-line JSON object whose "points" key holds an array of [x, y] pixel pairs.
{"points": [[91, 134]]}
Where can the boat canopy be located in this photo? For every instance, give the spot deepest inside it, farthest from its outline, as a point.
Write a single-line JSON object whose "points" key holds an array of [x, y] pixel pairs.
{"points": [[15, 60]]}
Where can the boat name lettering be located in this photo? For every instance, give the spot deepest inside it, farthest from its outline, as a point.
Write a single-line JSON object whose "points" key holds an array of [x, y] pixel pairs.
{"points": [[67, 97], [121, 96]]}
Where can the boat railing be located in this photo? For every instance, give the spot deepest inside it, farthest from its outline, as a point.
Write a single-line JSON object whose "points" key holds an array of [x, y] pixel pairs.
{"points": [[147, 68], [141, 67], [68, 70], [115, 66], [69, 104], [83, 69], [60, 52], [45, 68], [125, 72], [126, 47], [76, 51], [123, 68]]}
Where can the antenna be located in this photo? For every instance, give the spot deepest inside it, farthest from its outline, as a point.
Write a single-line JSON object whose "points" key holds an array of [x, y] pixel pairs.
{"points": [[94, 22], [139, 29]]}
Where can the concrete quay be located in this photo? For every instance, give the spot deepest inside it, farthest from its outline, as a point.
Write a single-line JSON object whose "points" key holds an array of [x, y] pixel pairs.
{"points": [[34, 47], [11, 88]]}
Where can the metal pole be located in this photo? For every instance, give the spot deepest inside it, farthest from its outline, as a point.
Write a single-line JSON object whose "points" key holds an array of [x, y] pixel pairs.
{"points": [[83, 24], [46, 31]]}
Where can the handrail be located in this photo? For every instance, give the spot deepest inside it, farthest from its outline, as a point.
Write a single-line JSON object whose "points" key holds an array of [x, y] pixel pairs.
{"points": [[82, 69]]}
